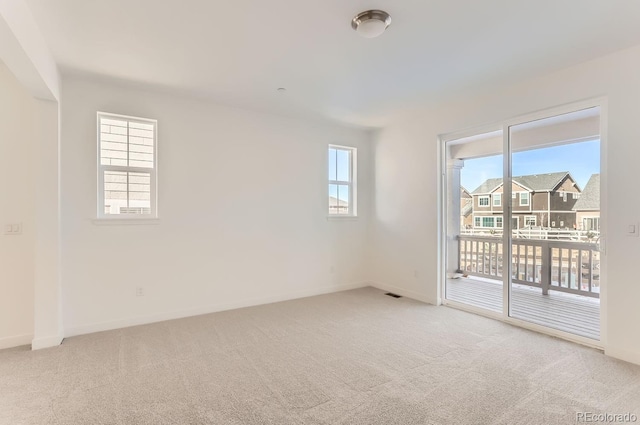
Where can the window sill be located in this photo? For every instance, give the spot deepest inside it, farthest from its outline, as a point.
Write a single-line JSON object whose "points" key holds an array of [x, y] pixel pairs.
{"points": [[125, 221], [342, 217]]}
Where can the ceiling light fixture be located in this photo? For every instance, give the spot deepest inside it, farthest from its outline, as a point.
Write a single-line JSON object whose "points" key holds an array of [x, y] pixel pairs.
{"points": [[371, 23]]}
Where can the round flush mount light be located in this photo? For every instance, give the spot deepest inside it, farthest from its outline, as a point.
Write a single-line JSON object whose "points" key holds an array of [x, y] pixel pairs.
{"points": [[371, 23], [281, 89]]}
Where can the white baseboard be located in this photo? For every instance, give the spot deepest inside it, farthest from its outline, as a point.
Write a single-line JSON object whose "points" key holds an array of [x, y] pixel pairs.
{"points": [[627, 356], [15, 341], [46, 342], [403, 292], [143, 320]]}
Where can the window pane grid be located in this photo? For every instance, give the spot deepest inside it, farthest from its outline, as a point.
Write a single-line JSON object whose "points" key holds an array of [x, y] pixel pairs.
{"points": [[340, 170], [126, 143], [127, 162]]}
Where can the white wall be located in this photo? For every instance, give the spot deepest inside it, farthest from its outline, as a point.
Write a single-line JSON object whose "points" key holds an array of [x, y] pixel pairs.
{"points": [[25, 52], [17, 204], [47, 302], [405, 230], [242, 206]]}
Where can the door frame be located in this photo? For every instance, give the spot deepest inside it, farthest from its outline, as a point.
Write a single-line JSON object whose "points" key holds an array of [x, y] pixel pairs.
{"points": [[504, 316]]}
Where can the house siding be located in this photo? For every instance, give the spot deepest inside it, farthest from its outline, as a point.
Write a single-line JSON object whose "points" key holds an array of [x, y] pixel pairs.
{"points": [[540, 201], [517, 189], [581, 215], [559, 215], [557, 202]]}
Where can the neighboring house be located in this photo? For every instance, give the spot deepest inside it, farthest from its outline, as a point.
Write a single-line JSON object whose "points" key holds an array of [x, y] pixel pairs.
{"points": [[466, 209], [539, 200], [588, 206], [338, 206]]}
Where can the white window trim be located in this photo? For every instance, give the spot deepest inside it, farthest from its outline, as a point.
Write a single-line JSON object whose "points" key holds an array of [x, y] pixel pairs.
{"points": [[528, 218], [528, 198], [497, 197], [150, 218], [494, 220], [352, 183], [592, 219], [487, 197]]}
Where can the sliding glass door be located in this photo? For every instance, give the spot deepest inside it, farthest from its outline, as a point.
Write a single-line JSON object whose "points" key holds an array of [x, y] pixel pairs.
{"points": [[523, 221], [555, 210]]}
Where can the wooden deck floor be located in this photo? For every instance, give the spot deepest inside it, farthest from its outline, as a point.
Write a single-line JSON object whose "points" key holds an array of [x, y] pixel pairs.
{"points": [[569, 313]]}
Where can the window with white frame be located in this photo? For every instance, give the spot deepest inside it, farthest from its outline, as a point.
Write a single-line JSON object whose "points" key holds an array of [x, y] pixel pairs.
{"points": [[127, 168], [530, 220], [342, 181], [497, 199], [524, 199], [483, 201], [591, 223], [488, 221]]}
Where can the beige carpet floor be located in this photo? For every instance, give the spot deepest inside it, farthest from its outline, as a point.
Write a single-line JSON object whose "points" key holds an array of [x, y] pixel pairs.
{"points": [[355, 357]]}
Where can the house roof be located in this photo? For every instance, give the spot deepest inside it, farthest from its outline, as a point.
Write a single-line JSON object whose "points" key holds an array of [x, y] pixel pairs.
{"points": [[488, 186], [333, 201], [535, 182], [590, 197]]}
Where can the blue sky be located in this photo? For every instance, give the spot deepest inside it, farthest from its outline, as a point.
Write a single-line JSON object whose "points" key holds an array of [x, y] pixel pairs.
{"points": [[339, 169], [580, 159]]}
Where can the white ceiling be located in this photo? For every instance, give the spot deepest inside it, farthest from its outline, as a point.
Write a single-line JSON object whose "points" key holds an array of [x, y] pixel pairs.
{"points": [[238, 52]]}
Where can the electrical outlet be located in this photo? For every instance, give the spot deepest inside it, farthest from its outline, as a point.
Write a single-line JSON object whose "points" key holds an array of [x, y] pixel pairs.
{"points": [[13, 229], [332, 269], [416, 274], [139, 291]]}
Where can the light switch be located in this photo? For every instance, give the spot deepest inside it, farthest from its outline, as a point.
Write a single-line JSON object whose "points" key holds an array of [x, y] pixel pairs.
{"points": [[633, 230]]}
